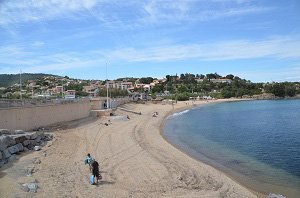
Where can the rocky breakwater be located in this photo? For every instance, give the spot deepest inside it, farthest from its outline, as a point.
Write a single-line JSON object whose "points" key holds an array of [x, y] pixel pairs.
{"points": [[13, 143]]}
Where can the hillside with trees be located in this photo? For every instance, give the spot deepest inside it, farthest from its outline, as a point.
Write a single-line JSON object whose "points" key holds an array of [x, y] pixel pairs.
{"points": [[7, 80]]}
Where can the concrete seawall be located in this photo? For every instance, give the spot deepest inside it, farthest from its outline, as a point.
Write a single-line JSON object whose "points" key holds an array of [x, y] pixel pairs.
{"points": [[27, 118]]}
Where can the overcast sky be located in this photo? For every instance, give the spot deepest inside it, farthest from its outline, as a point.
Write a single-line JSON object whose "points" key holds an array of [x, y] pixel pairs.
{"points": [[257, 40]]}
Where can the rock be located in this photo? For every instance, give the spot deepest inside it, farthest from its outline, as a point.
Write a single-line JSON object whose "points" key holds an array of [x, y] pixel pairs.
{"points": [[19, 132], [271, 195], [38, 139], [37, 161], [0, 155], [28, 136], [2, 162], [12, 158], [29, 171], [26, 142], [26, 149], [32, 187], [33, 136], [6, 141], [20, 147], [37, 148], [13, 149], [4, 131], [19, 138], [24, 187], [6, 154]]}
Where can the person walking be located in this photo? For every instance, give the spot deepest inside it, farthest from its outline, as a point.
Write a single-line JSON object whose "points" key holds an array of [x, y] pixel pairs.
{"points": [[89, 160], [96, 172]]}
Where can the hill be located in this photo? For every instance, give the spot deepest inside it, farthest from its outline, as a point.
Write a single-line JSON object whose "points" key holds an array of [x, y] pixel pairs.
{"points": [[7, 80]]}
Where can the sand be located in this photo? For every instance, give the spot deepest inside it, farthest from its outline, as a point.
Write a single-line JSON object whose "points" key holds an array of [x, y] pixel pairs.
{"points": [[135, 161]]}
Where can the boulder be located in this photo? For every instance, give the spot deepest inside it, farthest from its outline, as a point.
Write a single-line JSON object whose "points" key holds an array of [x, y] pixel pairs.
{"points": [[13, 149], [19, 138], [33, 136], [28, 136], [24, 187], [6, 141], [2, 162], [20, 147], [32, 187], [19, 132], [4, 131], [26, 142], [37, 148], [38, 139], [6, 154], [12, 158]]}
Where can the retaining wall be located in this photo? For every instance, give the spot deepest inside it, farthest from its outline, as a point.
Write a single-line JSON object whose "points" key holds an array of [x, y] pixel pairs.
{"points": [[28, 118]]}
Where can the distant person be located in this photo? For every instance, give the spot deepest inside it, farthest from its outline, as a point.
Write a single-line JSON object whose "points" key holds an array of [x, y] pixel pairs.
{"points": [[89, 160], [95, 171]]}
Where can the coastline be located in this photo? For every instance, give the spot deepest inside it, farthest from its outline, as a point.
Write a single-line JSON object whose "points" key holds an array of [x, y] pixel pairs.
{"points": [[135, 161], [161, 128]]}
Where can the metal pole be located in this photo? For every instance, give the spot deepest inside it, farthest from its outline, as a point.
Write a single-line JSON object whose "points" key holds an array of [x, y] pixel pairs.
{"points": [[21, 84], [107, 103], [62, 91]]}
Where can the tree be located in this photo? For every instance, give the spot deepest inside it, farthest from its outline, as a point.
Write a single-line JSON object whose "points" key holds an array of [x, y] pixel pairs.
{"points": [[229, 76], [146, 80]]}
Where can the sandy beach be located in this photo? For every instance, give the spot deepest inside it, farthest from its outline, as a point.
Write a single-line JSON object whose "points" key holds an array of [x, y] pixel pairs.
{"points": [[135, 161]]}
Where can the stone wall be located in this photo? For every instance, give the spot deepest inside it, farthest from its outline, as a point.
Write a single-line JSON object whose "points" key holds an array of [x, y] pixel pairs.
{"points": [[28, 118], [12, 143]]}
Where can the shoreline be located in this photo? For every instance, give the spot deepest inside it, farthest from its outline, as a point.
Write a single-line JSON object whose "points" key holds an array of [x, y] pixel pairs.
{"points": [[135, 161], [164, 120]]}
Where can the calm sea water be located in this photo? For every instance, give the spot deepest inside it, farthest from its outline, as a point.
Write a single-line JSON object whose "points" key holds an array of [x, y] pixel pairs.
{"points": [[255, 142]]}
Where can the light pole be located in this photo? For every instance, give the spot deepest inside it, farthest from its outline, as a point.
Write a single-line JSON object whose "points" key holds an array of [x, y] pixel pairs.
{"points": [[21, 84], [107, 103]]}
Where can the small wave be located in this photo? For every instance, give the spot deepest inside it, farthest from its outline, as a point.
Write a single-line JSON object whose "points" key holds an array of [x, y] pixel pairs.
{"points": [[179, 113]]}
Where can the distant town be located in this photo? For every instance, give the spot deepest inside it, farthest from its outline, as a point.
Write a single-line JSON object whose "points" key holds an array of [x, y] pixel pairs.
{"points": [[178, 87]]}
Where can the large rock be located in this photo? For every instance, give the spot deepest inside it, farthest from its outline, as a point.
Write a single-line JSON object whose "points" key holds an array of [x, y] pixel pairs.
{"points": [[19, 138], [6, 154], [12, 158], [38, 139], [6, 141], [19, 131], [13, 149], [33, 136], [26, 142], [20, 147], [4, 131]]}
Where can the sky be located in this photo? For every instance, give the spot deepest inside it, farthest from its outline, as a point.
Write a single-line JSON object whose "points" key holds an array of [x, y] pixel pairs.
{"points": [[99, 39]]}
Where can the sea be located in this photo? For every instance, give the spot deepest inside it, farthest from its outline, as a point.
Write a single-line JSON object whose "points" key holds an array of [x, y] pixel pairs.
{"points": [[257, 143]]}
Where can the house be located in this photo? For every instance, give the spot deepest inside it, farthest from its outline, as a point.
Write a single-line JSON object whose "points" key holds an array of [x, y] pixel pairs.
{"points": [[126, 85], [70, 94]]}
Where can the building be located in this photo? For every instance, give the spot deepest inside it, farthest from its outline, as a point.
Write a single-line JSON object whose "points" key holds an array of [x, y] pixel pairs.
{"points": [[70, 94]]}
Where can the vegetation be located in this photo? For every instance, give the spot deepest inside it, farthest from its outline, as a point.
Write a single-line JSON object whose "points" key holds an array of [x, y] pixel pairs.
{"points": [[7, 80], [184, 86]]}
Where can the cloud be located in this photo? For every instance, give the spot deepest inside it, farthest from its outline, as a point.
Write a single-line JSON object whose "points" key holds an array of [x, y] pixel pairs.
{"points": [[115, 12], [275, 48], [280, 47], [14, 12]]}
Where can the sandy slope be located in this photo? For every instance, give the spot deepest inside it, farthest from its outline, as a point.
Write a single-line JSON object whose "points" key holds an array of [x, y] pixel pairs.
{"points": [[134, 159]]}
